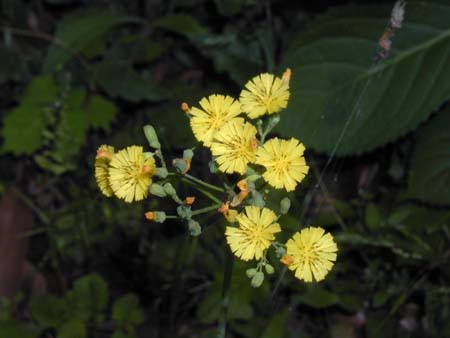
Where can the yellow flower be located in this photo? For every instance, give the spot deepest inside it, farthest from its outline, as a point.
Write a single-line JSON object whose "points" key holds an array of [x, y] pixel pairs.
{"points": [[312, 253], [284, 162], [265, 94], [255, 232], [104, 155], [235, 146], [130, 174], [216, 111]]}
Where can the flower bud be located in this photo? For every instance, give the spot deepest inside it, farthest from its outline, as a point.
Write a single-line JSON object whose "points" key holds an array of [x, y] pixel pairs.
{"points": [[151, 136], [161, 172], [157, 190], [257, 279], [184, 212], [250, 272], [188, 154], [180, 165], [169, 189], [189, 200], [257, 199], [269, 269], [156, 216], [287, 260], [285, 205], [194, 228], [280, 251]]}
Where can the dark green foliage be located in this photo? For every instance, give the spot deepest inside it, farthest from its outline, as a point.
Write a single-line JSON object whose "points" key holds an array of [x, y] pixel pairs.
{"points": [[343, 101]]}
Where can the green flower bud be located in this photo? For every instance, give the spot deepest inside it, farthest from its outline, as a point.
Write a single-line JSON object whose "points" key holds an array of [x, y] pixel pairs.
{"points": [[273, 121], [257, 279], [180, 165], [269, 269], [257, 199], [285, 205], [188, 154], [151, 136], [184, 212], [169, 189], [250, 272], [194, 228], [161, 172], [280, 251], [157, 190]]}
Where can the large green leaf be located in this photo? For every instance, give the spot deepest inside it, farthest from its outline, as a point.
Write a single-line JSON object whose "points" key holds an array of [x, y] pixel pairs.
{"points": [[24, 125], [76, 32], [342, 101], [429, 178]]}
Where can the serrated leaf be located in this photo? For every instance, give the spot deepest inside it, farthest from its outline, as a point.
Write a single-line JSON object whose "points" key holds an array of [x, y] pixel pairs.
{"points": [[344, 103], [77, 31], [181, 24], [89, 298], [429, 177], [100, 112], [24, 125]]}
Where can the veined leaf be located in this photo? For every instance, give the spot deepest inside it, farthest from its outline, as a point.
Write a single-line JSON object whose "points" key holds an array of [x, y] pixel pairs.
{"points": [[343, 102], [77, 31], [429, 178]]}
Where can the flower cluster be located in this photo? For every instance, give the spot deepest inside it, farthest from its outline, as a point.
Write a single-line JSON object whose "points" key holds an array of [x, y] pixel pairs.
{"points": [[236, 132], [219, 125]]}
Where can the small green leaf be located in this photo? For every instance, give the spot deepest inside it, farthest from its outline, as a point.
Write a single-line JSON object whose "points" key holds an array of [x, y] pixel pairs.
{"points": [[181, 24], [24, 125], [100, 112], [89, 298]]}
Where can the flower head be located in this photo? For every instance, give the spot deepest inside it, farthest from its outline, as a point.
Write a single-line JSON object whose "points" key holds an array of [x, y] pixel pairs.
{"points": [[235, 146], [215, 111], [255, 232], [102, 160], [284, 162], [130, 173], [265, 94], [312, 254]]}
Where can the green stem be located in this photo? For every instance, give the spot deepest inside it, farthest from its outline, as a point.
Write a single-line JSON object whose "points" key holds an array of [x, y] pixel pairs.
{"points": [[204, 192], [227, 273], [206, 209], [202, 183]]}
